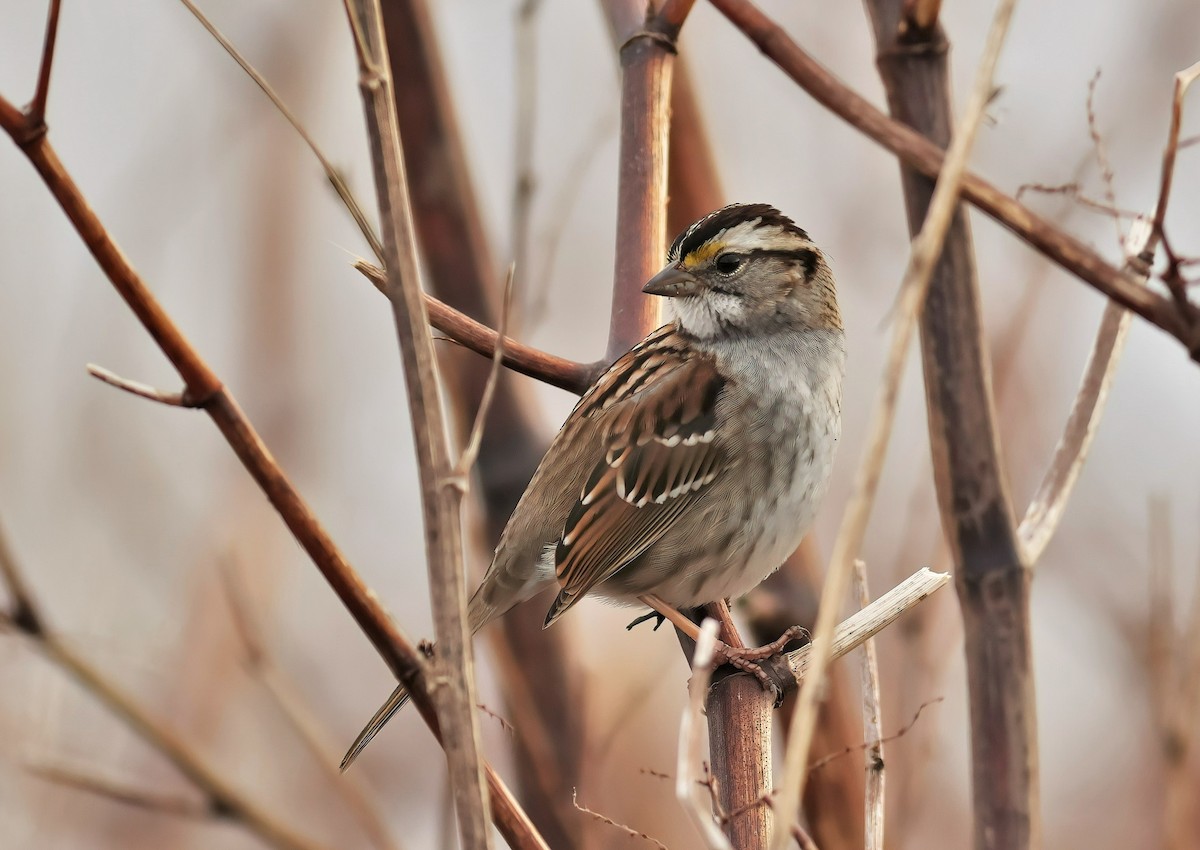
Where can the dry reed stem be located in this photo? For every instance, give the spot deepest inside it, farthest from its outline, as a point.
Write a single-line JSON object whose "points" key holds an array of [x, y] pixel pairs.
{"points": [[1049, 501], [873, 754], [440, 494], [917, 152], [688, 788], [926, 248]]}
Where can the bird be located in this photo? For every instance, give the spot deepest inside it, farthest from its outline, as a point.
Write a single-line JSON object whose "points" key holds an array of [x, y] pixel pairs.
{"points": [[696, 463]]}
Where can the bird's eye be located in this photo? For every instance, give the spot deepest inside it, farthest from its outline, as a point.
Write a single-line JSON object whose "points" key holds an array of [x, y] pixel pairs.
{"points": [[729, 263]]}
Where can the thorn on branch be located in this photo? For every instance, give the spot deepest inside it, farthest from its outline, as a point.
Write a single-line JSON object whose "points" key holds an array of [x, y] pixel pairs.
{"points": [[184, 398]]}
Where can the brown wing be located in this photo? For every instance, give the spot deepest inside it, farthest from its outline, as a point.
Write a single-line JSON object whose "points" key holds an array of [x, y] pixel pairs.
{"points": [[657, 411]]}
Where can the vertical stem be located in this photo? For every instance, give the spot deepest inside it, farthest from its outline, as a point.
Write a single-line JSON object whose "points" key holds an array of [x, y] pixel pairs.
{"points": [[646, 65], [991, 578], [455, 691]]}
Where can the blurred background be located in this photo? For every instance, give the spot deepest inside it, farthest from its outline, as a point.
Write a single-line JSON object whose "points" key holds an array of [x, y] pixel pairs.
{"points": [[124, 513]]}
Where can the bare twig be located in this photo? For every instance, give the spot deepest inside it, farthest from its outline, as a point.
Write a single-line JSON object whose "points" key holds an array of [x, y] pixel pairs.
{"points": [[628, 830], [871, 731], [1101, 153], [927, 246], [556, 371], [36, 111], [455, 696], [687, 788], [919, 153], [175, 399], [470, 451], [871, 743], [1183, 81], [335, 178]]}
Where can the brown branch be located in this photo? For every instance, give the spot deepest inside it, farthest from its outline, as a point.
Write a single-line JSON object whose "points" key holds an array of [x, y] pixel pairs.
{"points": [[687, 788], [1183, 80], [36, 111], [401, 656], [440, 500], [924, 156], [991, 576], [548, 368]]}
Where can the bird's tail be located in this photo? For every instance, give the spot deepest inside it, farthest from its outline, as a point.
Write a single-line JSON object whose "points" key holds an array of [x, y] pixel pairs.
{"points": [[394, 703]]}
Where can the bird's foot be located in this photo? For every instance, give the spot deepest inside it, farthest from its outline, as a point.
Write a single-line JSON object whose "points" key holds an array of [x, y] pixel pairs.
{"points": [[765, 662], [653, 615]]}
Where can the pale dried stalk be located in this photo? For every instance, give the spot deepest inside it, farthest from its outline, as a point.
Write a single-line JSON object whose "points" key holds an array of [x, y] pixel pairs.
{"points": [[440, 497], [863, 625], [926, 248], [688, 789], [871, 725], [1046, 508]]}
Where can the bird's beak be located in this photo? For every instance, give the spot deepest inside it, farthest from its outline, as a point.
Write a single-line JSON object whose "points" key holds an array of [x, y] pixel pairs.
{"points": [[672, 282]]}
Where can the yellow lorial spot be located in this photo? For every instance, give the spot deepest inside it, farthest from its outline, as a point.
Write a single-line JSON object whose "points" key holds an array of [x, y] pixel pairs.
{"points": [[702, 254]]}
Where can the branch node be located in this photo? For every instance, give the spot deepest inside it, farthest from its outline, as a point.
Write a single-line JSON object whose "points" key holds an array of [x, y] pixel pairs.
{"points": [[188, 397]]}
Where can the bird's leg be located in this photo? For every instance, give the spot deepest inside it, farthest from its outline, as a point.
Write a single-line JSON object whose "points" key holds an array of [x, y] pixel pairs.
{"points": [[733, 652], [653, 615]]}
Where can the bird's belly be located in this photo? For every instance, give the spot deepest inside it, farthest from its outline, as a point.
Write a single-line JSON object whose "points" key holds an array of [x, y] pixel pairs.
{"points": [[743, 537]]}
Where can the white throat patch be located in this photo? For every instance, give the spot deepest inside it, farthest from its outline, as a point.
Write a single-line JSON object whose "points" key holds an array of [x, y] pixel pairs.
{"points": [[704, 315]]}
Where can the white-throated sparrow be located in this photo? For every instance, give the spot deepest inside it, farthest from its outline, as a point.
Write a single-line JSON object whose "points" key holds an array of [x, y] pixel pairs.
{"points": [[697, 461]]}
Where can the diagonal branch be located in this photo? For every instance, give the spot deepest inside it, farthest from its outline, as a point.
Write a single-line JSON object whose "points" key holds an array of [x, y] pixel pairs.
{"points": [[922, 155]]}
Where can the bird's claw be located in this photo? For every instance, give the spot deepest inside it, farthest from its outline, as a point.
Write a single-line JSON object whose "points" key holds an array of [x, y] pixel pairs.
{"points": [[653, 615]]}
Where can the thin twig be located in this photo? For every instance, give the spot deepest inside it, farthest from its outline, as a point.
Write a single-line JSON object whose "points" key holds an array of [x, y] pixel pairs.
{"points": [[873, 742], [36, 112], [525, 124], [548, 368], [470, 451], [1101, 153], [1183, 81], [173, 399], [128, 795], [335, 178], [926, 248], [698, 806], [871, 726], [441, 503], [628, 830]]}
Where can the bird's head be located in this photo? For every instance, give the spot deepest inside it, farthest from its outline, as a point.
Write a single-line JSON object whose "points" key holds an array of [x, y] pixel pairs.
{"points": [[746, 269]]}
